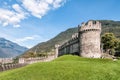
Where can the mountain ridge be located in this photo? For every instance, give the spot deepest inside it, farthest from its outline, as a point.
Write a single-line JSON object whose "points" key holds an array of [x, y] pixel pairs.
{"points": [[46, 47], [10, 49]]}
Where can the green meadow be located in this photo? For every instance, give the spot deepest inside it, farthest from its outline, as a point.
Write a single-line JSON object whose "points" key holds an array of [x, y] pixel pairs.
{"points": [[67, 67]]}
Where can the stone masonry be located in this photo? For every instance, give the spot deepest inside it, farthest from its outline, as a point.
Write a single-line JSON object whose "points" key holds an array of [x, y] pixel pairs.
{"points": [[85, 43]]}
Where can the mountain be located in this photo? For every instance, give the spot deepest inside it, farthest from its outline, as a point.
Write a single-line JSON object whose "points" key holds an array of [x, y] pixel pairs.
{"points": [[46, 47], [10, 49]]}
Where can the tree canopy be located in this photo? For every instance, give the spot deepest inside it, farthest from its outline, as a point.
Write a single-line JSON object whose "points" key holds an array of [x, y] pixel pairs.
{"points": [[110, 42]]}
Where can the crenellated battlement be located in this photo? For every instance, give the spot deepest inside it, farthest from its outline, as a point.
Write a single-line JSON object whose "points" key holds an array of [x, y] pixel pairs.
{"points": [[74, 36], [90, 26], [86, 42]]}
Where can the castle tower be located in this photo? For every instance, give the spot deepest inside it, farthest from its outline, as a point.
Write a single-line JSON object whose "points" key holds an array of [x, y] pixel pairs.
{"points": [[56, 50], [89, 37]]}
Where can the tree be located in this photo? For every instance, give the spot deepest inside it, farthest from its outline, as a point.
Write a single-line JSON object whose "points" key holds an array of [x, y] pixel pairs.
{"points": [[32, 54], [118, 45], [110, 42]]}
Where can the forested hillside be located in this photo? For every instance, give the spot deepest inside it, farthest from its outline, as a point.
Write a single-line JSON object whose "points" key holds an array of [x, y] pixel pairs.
{"points": [[46, 47]]}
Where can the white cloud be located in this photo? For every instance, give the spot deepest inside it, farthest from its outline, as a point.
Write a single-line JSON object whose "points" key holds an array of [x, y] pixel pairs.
{"points": [[12, 17], [17, 8], [58, 3], [8, 17], [39, 8], [30, 41], [16, 26], [26, 38]]}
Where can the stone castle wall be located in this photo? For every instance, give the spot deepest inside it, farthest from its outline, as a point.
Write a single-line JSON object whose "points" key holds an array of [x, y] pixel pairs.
{"points": [[90, 39], [69, 47], [85, 43]]}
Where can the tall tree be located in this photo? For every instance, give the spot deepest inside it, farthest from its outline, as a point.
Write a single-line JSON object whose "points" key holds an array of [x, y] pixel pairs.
{"points": [[110, 42], [118, 45]]}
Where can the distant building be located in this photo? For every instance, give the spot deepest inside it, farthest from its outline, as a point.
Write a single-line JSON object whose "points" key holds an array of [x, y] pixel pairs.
{"points": [[6, 60], [21, 60]]}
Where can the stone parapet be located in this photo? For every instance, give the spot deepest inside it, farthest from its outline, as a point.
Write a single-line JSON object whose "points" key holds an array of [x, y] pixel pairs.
{"points": [[90, 26]]}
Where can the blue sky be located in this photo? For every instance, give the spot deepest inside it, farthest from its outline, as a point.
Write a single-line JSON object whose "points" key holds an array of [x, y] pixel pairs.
{"points": [[29, 22]]}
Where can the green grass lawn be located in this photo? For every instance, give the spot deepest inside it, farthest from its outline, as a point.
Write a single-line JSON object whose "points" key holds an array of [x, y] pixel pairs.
{"points": [[67, 68]]}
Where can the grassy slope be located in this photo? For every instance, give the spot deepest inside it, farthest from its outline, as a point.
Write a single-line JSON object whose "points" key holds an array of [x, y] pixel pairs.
{"points": [[67, 68]]}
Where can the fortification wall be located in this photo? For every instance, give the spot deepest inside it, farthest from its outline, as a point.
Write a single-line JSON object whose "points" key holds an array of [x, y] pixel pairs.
{"points": [[86, 42], [90, 40], [4, 67], [69, 47]]}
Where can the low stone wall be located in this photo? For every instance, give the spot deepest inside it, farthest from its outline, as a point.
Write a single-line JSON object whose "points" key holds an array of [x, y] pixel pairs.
{"points": [[4, 67], [26, 62], [39, 59]]}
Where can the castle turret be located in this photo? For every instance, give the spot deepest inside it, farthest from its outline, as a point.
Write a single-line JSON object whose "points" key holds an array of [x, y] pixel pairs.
{"points": [[89, 37], [56, 50]]}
